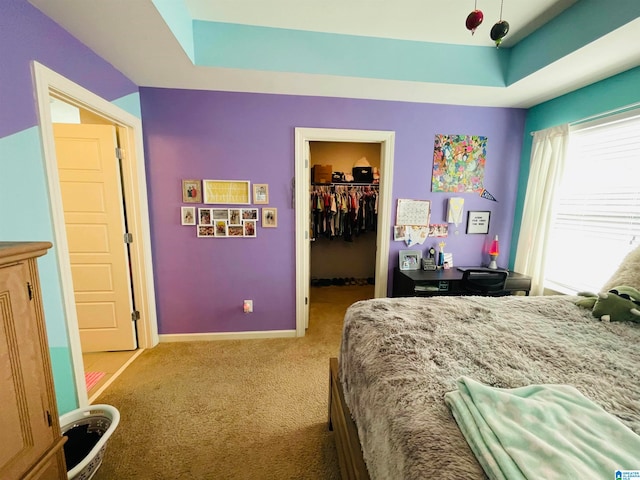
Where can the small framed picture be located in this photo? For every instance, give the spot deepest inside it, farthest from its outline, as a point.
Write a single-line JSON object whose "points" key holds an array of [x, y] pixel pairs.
{"points": [[205, 231], [220, 228], [188, 215], [249, 214], [478, 222], [249, 228], [235, 216], [410, 259], [219, 214], [204, 216], [191, 191], [260, 193], [269, 217], [235, 231]]}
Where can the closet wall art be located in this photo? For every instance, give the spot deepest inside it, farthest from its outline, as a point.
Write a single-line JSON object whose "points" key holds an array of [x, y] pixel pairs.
{"points": [[226, 222]]}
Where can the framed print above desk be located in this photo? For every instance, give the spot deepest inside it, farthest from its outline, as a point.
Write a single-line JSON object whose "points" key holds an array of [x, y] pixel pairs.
{"points": [[478, 222]]}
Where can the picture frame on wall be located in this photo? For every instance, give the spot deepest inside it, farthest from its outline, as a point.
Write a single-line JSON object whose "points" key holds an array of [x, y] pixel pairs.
{"points": [[235, 231], [188, 215], [478, 222], [235, 216], [220, 228], [191, 191], [249, 214], [227, 191], [261, 193], [269, 217], [219, 214], [204, 216], [205, 231], [249, 228]]}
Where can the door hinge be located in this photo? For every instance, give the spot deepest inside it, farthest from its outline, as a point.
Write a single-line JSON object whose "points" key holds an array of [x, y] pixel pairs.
{"points": [[119, 153], [49, 418], [135, 316], [306, 163], [30, 290], [128, 238], [306, 300]]}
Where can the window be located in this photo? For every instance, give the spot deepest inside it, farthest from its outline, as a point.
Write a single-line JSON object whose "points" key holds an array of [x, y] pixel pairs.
{"points": [[597, 211]]}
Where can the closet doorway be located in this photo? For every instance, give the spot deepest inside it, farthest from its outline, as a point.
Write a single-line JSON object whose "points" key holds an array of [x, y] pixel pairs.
{"points": [[365, 267], [344, 193]]}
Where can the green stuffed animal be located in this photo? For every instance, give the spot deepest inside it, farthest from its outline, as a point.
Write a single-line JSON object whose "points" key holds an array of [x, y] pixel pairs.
{"points": [[620, 304]]}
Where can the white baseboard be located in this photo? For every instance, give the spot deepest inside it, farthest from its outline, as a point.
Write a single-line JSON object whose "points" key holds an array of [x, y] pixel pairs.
{"points": [[202, 337]]}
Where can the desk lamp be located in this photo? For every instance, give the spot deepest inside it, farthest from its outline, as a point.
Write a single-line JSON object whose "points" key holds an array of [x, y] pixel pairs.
{"points": [[494, 251]]}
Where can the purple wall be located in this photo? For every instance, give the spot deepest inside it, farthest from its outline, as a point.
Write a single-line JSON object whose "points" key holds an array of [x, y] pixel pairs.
{"points": [[200, 283], [27, 34]]}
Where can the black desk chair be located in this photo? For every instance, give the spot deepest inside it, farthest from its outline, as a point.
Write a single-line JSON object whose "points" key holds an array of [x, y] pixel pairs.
{"points": [[484, 282]]}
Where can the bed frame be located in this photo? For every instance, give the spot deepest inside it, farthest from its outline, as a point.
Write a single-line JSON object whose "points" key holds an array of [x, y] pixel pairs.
{"points": [[352, 466]]}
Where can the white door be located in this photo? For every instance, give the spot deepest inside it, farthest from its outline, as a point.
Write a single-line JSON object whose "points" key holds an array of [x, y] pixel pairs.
{"points": [[91, 188]]}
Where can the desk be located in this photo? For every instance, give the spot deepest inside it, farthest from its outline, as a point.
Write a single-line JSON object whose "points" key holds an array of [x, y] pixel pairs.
{"points": [[426, 283]]}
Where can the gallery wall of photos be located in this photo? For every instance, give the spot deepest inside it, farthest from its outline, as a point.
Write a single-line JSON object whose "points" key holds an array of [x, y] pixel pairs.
{"points": [[216, 222]]}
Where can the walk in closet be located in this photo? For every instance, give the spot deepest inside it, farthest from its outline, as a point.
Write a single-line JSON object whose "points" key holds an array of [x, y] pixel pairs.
{"points": [[343, 213]]}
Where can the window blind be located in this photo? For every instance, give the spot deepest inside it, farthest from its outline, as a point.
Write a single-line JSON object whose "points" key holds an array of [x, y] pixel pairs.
{"points": [[597, 208]]}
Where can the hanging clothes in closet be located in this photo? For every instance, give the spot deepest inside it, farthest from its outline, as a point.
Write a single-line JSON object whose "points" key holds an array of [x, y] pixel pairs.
{"points": [[343, 211]]}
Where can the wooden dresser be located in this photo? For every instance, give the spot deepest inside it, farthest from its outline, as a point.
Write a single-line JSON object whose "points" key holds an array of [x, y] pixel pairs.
{"points": [[32, 445]]}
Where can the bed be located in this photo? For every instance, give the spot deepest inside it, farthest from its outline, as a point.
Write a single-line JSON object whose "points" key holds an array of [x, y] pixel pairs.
{"points": [[399, 357]]}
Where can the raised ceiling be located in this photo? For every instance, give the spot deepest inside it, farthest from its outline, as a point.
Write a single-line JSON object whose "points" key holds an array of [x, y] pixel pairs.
{"points": [[407, 50]]}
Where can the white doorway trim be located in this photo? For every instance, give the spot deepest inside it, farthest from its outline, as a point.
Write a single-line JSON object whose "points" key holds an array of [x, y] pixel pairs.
{"points": [[303, 136], [48, 82]]}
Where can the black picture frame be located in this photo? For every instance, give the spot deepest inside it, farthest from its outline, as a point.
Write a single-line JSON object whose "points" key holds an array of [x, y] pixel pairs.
{"points": [[478, 222]]}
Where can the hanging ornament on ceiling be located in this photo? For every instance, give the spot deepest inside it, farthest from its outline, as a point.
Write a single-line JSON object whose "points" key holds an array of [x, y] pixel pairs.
{"points": [[500, 29], [474, 19]]}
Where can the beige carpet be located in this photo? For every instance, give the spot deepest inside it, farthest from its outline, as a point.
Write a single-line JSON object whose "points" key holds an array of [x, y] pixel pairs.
{"points": [[239, 409]]}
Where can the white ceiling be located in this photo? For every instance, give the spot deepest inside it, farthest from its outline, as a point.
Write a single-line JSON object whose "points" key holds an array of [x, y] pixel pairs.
{"points": [[440, 21], [132, 36]]}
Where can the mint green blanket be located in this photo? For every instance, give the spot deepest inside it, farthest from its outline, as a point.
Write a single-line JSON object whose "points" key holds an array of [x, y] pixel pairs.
{"points": [[541, 431]]}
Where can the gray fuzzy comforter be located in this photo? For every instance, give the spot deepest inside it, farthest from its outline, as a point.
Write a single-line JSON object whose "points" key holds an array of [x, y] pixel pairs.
{"points": [[400, 356]]}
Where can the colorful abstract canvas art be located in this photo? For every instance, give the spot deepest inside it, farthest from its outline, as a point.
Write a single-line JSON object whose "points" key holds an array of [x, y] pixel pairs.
{"points": [[458, 163]]}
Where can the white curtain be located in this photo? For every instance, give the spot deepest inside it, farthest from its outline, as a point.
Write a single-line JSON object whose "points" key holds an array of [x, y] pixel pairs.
{"points": [[547, 163]]}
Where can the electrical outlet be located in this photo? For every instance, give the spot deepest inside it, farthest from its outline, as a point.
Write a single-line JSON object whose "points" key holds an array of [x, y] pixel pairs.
{"points": [[247, 306]]}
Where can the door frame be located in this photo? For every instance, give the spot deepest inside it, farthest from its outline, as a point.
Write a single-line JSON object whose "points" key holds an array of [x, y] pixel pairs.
{"points": [[129, 127], [303, 136]]}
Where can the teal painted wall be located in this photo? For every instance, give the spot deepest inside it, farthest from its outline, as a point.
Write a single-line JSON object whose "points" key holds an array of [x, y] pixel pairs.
{"points": [[130, 104], [577, 26], [277, 49], [23, 185], [610, 94], [177, 17]]}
